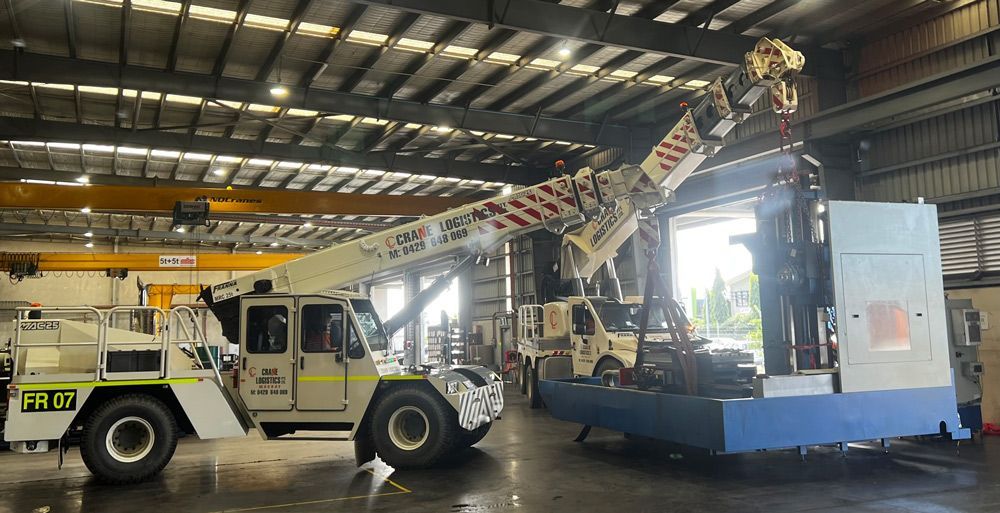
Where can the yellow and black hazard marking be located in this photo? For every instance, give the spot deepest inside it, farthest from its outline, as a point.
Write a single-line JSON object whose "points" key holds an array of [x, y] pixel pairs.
{"points": [[48, 400]]}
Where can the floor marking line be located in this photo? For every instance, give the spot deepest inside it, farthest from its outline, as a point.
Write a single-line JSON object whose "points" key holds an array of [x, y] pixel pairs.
{"points": [[318, 501], [390, 481]]}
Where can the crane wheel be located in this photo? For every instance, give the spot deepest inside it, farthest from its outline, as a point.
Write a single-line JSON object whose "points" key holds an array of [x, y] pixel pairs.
{"points": [[470, 438], [413, 428], [531, 378], [128, 439]]}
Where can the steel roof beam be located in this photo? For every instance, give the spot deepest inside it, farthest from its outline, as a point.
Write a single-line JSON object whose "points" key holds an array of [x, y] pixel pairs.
{"points": [[52, 69], [629, 32], [325, 58], [372, 60], [279, 45], [223, 58], [455, 72], [28, 129]]}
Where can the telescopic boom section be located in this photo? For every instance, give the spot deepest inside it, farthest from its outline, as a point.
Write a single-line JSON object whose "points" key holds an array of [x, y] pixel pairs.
{"points": [[698, 135], [554, 205]]}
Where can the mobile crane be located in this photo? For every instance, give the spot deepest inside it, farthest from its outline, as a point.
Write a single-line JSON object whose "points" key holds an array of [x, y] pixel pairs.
{"points": [[588, 336], [313, 359]]}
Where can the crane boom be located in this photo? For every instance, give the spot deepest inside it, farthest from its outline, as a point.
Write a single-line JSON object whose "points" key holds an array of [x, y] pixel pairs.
{"points": [[698, 135], [555, 204]]}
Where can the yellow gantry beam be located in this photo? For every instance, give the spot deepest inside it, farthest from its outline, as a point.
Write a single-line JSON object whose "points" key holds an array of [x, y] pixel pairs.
{"points": [[253, 201], [177, 261]]}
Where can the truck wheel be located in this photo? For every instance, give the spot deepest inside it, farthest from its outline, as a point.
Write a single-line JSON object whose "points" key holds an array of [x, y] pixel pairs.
{"points": [[470, 438], [413, 428], [521, 380], [534, 398], [606, 365], [128, 439]]}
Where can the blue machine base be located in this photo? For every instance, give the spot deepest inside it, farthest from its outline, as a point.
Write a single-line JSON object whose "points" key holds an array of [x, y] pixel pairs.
{"points": [[740, 425]]}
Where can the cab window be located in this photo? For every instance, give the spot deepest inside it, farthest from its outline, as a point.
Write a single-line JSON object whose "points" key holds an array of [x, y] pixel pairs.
{"points": [[267, 329], [355, 349], [322, 328], [583, 321]]}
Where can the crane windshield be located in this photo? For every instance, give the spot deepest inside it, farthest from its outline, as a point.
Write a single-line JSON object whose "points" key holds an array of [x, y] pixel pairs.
{"points": [[370, 324], [617, 316]]}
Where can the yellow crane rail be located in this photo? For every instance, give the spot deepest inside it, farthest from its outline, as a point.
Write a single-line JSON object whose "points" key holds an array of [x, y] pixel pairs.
{"points": [[244, 201], [27, 264]]}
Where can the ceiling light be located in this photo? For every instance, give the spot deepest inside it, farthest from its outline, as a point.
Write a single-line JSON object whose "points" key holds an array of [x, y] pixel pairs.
{"points": [[564, 51], [85, 210], [274, 244], [307, 224], [259, 252], [219, 171], [180, 229], [83, 179], [88, 234], [279, 91], [89, 245]]}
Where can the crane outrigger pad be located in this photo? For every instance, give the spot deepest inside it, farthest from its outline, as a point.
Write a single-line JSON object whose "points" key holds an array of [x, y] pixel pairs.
{"points": [[742, 425]]}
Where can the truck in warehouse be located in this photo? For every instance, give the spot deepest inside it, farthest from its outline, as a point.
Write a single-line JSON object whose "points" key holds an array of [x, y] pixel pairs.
{"points": [[313, 361]]}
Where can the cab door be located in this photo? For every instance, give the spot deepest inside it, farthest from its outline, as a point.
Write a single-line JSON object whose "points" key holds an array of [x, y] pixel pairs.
{"points": [[581, 335], [266, 362], [321, 369]]}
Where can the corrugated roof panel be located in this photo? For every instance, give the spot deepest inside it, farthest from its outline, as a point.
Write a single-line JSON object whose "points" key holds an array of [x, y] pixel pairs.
{"points": [[97, 31], [200, 44], [380, 20], [42, 25], [250, 49], [509, 84], [150, 38], [274, 8]]}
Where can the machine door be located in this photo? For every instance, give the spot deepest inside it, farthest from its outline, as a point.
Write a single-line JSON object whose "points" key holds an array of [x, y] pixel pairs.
{"points": [[266, 362], [321, 370]]}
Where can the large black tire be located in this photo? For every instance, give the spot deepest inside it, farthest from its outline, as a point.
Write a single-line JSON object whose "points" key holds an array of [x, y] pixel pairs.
{"points": [[413, 428], [128, 439], [470, 438], [531, 377]]}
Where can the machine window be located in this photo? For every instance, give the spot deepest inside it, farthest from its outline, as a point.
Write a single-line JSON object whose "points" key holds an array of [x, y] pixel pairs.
{"points": [[888, 326], [267, 329], [322, 328]]}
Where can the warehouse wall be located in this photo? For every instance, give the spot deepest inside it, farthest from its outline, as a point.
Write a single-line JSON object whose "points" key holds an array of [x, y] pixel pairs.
{"points": [[94, 289], [951, 156]]}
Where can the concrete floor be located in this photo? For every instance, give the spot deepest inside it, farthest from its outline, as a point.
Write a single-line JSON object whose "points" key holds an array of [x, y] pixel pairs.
{"points": [[527, 463]]}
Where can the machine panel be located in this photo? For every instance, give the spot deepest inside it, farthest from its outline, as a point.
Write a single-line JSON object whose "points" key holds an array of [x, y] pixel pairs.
{"points": [[889, 294]]}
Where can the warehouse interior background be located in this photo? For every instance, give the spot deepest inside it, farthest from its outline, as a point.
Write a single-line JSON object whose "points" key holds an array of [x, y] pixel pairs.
{"points": [[387, 105], [384, 101]]}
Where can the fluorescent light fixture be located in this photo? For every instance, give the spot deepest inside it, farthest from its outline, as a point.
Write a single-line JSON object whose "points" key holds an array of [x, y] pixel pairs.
{"points": [[88, 234], [307, 224], [219, 171], [279, 90], [83, 179], [259, 252], [89, 245], [274, 244], [85, 210]]}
